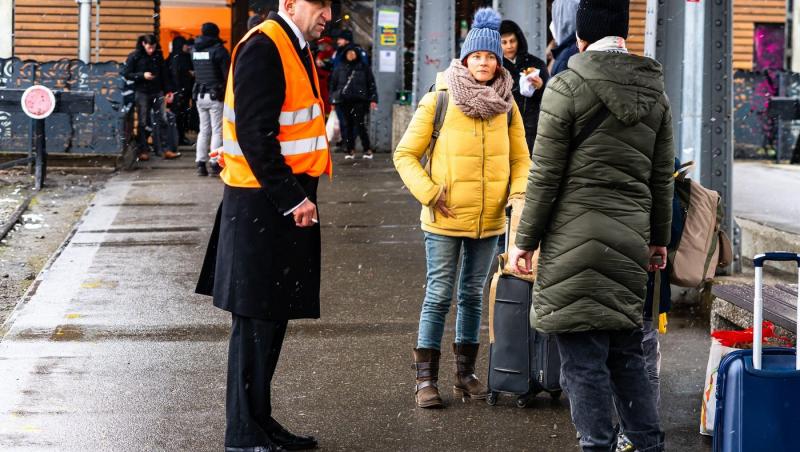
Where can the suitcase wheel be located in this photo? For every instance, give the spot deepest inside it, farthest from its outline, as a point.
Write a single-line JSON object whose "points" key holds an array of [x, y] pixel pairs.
{"points": [[491, 398], [526, 400]]}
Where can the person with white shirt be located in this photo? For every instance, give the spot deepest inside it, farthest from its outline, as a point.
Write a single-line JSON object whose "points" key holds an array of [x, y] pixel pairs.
{"points": [[263, 259]]}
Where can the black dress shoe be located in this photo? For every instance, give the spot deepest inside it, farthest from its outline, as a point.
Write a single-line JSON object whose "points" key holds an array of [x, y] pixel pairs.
{"points": [[289, 441]]}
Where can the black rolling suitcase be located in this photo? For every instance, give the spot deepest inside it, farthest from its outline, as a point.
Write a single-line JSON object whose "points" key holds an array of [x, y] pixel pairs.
{"points": [[522, 361]]}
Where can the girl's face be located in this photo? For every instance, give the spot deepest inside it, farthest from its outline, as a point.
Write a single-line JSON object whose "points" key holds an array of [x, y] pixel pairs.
{"points": [[482, 66], [510, 45], [350, 55]]}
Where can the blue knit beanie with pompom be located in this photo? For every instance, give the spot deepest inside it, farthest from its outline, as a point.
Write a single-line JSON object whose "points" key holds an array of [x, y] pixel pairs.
{"points": [[484, 35]]}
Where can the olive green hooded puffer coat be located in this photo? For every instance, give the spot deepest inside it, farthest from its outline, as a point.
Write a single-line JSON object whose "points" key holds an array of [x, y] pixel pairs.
{"points": [[594, 212]]}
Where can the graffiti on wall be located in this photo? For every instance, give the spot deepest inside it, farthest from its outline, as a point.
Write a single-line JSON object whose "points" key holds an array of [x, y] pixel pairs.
{"points": [[97, 133], [756, 135]]}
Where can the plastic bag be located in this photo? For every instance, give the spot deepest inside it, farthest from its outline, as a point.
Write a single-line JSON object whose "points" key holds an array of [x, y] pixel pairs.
{"points": [[332, 128], [743, 339], [722, 343], [708, 409]]}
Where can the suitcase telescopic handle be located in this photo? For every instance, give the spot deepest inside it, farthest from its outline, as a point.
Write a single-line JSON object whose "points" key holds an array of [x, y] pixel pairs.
{"points": [[758, 302]]}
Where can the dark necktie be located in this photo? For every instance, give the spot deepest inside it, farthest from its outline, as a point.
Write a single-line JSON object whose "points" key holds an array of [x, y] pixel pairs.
{"points": [[304, 57]]}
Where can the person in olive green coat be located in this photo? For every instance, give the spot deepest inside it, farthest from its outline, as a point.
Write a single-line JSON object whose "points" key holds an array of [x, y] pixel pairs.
{"points": [[598, 214]]}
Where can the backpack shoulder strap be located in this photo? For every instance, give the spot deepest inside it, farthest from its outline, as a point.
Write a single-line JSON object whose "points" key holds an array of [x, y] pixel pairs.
{"points": [[442, 99], [588, 129]]}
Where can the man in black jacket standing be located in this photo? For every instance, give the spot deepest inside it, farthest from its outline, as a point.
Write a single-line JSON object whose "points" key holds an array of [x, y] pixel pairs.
{"points": [[182, 73], [211, 62], [145, 67], [263, 261]]}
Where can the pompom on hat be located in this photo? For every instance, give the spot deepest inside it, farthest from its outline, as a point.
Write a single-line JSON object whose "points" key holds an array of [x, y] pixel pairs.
{"points": [[484, 34]]}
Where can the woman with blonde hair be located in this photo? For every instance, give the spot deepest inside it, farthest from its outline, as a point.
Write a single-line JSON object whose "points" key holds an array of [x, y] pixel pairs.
{"points": [[479, 159]]}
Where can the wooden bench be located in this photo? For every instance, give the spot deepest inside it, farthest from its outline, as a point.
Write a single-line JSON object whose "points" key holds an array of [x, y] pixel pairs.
{"points": [[732, 307]]}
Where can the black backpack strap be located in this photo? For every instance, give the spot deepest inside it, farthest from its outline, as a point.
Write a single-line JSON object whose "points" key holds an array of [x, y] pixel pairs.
{"points": [[588, 129]]}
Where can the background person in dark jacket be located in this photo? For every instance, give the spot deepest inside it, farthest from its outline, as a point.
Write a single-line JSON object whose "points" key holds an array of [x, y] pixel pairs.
{"points": [[599, 214], [353, 92], [563, 29], [211, 61], [145, 66], [517, 60], [182, 73]]}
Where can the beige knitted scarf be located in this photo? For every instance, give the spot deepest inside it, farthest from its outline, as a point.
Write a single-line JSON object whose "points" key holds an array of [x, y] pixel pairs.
{"points": [[476, 100]]}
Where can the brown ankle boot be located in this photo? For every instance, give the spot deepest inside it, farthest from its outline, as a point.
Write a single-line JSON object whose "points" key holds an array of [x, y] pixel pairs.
{"points": [[467, 384], [426, 361]]}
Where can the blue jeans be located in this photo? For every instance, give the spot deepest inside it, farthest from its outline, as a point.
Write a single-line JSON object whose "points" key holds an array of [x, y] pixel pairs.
{"points": [[442, 254]]}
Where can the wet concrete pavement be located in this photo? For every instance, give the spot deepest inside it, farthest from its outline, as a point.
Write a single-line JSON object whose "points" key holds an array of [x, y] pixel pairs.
{"points": [[111, 350], [767, 194]]}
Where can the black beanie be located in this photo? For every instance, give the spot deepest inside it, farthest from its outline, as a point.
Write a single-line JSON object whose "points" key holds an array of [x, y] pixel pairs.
{"points": [[210, 29], [597, 19]]}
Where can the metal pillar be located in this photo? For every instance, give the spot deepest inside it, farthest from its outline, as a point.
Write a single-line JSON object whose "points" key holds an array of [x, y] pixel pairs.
{"points": [[664, 35], [434, 42], [795, 34], [693, 41], [695, 53], [387, 65], [84, 30], [531, 16], [716, 168]]}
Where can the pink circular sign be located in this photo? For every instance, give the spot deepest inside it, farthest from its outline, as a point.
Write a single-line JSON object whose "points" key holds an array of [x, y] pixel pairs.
{"points": [[38, 102]]}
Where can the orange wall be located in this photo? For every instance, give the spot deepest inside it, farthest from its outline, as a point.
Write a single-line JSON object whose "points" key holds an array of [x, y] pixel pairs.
{"points": [[187, 21]]}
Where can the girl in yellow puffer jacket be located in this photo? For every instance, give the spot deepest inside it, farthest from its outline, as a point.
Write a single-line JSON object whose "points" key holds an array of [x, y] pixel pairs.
{"points": [[480, 158]]}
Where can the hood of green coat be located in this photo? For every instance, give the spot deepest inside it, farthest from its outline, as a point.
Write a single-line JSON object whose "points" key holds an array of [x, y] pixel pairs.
{"points": [[629, 85]]}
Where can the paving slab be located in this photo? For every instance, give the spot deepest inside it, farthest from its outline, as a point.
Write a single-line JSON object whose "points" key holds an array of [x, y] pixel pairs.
{"points": [[111, 350]]}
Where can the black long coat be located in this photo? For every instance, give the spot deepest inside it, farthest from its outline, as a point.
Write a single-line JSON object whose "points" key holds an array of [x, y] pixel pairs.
{"points": [[259, 264]]}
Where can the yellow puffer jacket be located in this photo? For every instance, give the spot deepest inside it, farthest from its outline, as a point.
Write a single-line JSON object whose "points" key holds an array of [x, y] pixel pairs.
{"points": [[480, 162]]}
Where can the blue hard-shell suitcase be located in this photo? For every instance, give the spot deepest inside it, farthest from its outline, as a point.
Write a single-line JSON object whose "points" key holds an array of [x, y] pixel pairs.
{"points": [[758, 391]]}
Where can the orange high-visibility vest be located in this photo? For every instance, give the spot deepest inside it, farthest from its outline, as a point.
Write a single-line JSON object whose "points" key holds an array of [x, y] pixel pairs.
{"points": [[304, 144]]}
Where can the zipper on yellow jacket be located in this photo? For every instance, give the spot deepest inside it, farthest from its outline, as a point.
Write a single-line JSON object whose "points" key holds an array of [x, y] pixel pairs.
{"points": [[483, 178]]}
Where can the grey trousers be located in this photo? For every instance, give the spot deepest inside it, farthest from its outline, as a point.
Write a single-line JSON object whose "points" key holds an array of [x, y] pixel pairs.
{"points": [[598, 367], [209, 137]]}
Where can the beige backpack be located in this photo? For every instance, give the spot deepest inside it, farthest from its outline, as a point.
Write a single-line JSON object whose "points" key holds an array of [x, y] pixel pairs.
{"points": [[703, 246]]}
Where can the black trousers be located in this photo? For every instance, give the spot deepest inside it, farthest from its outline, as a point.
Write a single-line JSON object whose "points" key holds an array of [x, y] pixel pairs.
{"points": [[354, 123], [255, 347], [144, 102]]}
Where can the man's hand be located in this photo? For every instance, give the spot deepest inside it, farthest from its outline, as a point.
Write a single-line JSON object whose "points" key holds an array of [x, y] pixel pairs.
{"points": [[515, 255], [149, 76], [657, 252], [306, 215], [373, 105], [441, 205]]}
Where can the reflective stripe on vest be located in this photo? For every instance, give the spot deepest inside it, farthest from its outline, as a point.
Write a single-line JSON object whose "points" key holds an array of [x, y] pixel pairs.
{"points": [[302, 136], [296, 147], [286, 118]]}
